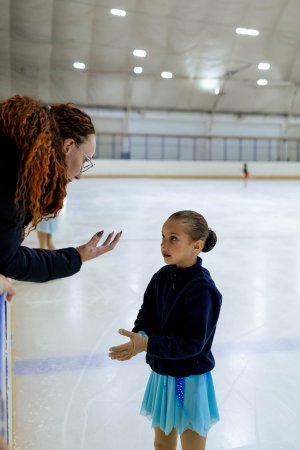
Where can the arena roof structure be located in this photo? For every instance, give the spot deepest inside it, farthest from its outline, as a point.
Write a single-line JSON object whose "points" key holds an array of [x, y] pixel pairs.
{"points": [[217, 56]]}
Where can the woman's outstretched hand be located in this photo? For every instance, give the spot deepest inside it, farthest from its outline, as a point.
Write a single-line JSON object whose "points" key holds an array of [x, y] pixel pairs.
{"points": [[91, 250], [137, 344]]}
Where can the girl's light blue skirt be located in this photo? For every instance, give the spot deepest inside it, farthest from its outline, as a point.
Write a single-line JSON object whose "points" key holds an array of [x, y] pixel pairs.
{"points": [[48, 225], [181, 403]]}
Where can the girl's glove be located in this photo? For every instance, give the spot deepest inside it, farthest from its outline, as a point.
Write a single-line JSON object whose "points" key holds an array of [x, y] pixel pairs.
{"points": [[137, 344]]}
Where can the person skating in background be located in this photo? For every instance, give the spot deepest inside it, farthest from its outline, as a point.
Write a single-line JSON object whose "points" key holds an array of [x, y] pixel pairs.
{"points": [[246, 174], [45, 230]]}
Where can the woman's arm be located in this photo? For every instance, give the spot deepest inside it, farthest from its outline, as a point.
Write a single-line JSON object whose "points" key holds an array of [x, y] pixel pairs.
{"points": [[28, 264]]}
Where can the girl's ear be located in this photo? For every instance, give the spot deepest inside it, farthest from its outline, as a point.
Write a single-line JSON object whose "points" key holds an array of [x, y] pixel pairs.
{"points": [[198, 246]]}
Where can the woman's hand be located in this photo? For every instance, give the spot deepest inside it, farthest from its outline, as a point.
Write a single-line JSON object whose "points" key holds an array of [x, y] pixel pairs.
{"points": [[3, 445], [137, 344], [6, 288], [90, 249]]}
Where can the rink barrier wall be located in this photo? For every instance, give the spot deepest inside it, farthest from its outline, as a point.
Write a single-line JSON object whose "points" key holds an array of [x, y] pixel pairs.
{"points": [[201, 147], [5, 372], [127, 168]]}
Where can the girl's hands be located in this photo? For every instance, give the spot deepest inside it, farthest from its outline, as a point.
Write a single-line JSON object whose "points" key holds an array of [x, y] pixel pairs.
{"points": [[90, 249], [137, 344]]}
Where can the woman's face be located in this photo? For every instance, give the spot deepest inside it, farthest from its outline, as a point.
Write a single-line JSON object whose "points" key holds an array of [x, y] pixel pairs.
{"points": [[77, 154], [177, 247]]}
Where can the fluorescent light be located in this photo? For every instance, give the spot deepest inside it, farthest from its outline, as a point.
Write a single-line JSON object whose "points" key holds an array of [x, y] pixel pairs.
{"points": [[247, 31], [209, 84], [262, 82], [241, 30], [79, 65], [118, 12], [252, 32], [140, 53], [138, 69], [263, 66], [167, 75]]}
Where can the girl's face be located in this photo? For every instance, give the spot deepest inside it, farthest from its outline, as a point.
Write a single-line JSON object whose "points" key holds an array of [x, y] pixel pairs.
{"points": [[177, 246]]}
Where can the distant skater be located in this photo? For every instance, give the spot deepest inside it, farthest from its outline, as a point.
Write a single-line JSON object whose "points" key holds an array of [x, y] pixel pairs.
{"points": [[45, 230], [246, 174], [175, 327]]}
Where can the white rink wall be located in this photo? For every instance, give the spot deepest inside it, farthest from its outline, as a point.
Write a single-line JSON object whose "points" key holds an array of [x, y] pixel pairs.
{"points": [[198, 169]]}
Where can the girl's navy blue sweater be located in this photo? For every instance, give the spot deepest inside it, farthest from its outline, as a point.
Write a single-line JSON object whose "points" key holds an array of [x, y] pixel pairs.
{"points": [[179, 314]]}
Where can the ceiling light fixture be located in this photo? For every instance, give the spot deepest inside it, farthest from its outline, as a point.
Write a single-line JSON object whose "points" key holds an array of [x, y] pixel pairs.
{"points": [[79, 65], [262, 82], [210, 84], [247, 31], [168, 75], [138, 70], [118, 12], [263, 66], [252, 32], [139, 53]]}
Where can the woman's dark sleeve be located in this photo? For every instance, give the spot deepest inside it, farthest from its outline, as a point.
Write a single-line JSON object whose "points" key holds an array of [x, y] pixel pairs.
{"points": [[28, 264], [22, 263]]}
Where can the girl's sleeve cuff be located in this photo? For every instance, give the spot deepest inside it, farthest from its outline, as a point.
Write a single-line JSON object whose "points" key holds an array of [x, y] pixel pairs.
{"points": [[142, 333]]}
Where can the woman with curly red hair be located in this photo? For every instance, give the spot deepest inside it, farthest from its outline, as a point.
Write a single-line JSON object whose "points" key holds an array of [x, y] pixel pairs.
{"points": [[42, 149]]}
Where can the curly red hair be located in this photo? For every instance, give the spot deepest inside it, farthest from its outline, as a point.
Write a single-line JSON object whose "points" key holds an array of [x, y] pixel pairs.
{"points": [[39, 132]]}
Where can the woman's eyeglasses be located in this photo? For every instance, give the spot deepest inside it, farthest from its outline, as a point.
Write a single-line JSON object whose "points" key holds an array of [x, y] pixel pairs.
{"points": [[87, 164]]}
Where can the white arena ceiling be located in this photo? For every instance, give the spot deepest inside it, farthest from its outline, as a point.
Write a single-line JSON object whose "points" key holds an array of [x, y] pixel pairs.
{"points": [[214, 68]]}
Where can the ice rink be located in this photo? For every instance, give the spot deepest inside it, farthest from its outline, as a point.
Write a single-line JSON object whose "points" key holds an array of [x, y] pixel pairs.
{"points": [[67, 393]]}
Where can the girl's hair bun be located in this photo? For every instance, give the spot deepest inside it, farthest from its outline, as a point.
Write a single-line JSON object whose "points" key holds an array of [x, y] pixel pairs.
{"points": [[210, 242]]}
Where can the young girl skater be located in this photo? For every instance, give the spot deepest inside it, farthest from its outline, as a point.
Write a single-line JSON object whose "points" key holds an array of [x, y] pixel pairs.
{"points": [[175, 327], [45, 230]]}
